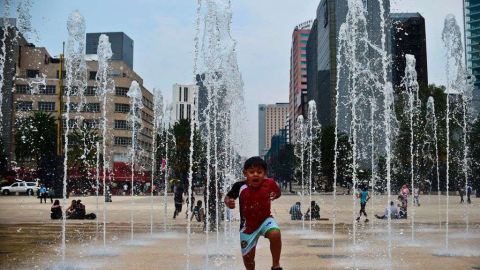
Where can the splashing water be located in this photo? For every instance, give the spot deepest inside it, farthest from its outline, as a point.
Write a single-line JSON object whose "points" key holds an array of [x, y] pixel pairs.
{"points": [[75, 82], [412, 87], [136, 105], [105, 86], [432, 124], [157, 124]]}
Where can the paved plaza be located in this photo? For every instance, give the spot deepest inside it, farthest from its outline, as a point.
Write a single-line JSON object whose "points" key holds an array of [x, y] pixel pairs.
{"points": [[30, 240]]}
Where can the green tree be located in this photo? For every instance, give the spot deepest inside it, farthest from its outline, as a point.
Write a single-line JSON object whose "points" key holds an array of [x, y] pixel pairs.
{"points": [[35, 138]]}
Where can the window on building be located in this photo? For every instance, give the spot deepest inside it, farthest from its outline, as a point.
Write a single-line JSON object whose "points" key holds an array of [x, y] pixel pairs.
{"points": [[122, 108], [304, 34], [303, 41], [24, 105], [121, 124], [46, 106], [189, 111], [92, 75], [90, 123], [90, 91], [22, 89], [303, 55], [123, 141], [185, 94], [72, 123], [182, 115], [32, 73], [303, 48], [73, 106], [121, 91], [304, 62], [47, 90], [180, 94], [91, 107], [325, 14]]}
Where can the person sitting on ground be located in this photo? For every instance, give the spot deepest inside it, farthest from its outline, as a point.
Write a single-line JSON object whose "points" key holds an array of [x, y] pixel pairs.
{"points": [[72, 210], [81, 212], [296, 211], [56, 210], [315, 212], [393, 212], [402, 213], [198, 212]]}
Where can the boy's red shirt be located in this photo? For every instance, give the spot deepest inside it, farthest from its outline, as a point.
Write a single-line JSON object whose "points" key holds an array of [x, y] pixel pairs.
{"points": [[254, 202]]}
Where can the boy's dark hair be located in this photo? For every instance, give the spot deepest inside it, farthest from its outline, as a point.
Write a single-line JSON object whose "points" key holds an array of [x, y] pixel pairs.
{"points": [[255, 162]]}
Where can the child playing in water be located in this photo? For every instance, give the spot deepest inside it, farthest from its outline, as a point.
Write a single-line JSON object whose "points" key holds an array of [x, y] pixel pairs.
{"points": [[255, 195]]}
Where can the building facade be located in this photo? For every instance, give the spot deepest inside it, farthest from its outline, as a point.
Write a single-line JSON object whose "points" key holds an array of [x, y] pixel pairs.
{"points": [[36, 61], [184, 102], [298, 72], [408, 37], [331, 14], [271, 119], [472, 41]]}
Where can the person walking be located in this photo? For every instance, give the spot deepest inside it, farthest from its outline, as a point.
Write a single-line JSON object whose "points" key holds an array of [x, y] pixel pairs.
{"points": [[178, 199], [51, 194], [469, 193], [364, 197], [461, 192], [416, 196], [43, 194]]}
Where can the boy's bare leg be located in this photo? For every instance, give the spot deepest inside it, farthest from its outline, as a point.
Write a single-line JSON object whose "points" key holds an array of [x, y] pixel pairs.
{"points": [[275, 246], [249, 260]]}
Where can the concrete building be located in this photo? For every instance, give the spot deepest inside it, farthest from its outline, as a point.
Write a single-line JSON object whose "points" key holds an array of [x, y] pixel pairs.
{"points": [[122, 46], [472, 41], [271, 119], [33, 61], [183, 101], [331, 14], [298, 73], [408, 37]]}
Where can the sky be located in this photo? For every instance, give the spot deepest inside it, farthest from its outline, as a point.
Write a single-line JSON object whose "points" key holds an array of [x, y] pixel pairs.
{"points": [[163, 33]]}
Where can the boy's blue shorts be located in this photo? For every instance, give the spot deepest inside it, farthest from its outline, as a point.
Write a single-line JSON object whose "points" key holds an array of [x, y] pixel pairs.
{"points": [[249, 241]]}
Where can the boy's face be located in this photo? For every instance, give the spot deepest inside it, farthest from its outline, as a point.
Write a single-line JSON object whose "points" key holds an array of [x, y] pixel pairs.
{"points": [[255, 176]]}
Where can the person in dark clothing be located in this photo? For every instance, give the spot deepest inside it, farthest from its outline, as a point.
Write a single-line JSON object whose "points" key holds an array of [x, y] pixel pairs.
{"points": [[178, 199], [461, 192], [72, 210], [81, 212], [469, 193], [56, 210], [315, 211]]}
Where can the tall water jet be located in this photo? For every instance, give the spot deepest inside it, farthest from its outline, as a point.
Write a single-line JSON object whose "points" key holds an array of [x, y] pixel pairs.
{"points": [[300, 137], [411, 84], [75, 82], [216, 71], [314, 154], [157, 123], [105, 86], [136, 106], [193, 125], [452, 40], [431, 121]]}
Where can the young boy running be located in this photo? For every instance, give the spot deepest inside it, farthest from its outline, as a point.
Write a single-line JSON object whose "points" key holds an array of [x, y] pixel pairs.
{"points": [[255, 195]]}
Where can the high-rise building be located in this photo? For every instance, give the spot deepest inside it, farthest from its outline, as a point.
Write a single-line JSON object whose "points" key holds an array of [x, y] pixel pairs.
{"points": [[122, 46], [298, 72], [408, 37], [183, 101], [331, 14], [36, 61], [271, 119], [472, 33]]}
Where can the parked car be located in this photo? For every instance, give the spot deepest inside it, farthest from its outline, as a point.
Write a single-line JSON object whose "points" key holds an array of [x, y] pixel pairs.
{"points": [[29, 188]]}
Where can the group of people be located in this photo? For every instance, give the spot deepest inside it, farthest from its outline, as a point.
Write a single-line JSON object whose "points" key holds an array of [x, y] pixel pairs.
{"points": [[313, 212], [76, 210], [391, 210], [461, 192], [198, 212], [43, 193]]}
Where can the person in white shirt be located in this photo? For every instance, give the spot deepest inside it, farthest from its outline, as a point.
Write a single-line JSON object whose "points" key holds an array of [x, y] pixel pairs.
{"points": [[393, 212]]}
